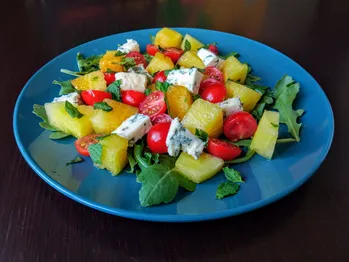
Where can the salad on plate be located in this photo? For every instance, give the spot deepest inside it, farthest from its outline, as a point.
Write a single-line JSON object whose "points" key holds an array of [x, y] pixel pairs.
{"points": [[175, 115]]}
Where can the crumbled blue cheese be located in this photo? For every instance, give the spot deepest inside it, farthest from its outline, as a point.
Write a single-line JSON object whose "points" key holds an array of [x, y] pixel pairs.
{"points": [[180, 138], [73, 98], [134, 128], [231, 106], [210, 59], [139, 69], [188, 77], [132, 81], [130, 46]]}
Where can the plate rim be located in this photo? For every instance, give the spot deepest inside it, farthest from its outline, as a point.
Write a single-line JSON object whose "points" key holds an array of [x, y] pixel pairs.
{"points": [[159, 217]]}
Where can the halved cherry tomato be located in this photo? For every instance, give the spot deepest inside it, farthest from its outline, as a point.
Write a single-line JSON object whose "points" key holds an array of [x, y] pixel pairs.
{"points": [[214, 72], [84, 142], [222, 149], [91, 97], [213, 49], [138, 57], [132, 98], [156, 138], [154, 104], [173, 53], [152, 49], [239, 126], [160, 76], [214, 93], [207, 82], [109, 78], [161, 118]]}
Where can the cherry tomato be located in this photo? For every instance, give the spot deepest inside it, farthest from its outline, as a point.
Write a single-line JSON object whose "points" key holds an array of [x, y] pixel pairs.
{"points": [[214, 93], [214, 72], [154, 104], [132, 98], [207, 82], [152, 49], [222, 149], [173, 53], [239, 126], [109, 78], [160, 76], [91, 97], [156, 138], [161, 118], [138, 57], [84, 142], [213, 49]]}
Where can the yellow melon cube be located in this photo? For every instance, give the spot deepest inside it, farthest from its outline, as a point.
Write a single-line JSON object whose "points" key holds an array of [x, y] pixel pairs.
{"points": [[91, 81], [111, 62], [167, 37], [159, 62], [190, 59], [179, 101]]}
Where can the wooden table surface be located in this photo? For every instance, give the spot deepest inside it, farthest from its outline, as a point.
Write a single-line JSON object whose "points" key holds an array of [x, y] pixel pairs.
{"points": [[39, 224]]}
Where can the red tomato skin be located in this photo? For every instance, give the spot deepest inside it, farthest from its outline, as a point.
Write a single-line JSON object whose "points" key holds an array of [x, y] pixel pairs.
{"points": [[91, 97], [214, 93], [173, 53], [160, 76], [214, 72], [156, 138], [132, 98], [161, 118], [154, 104], [109, 78], [213, 49], [152, 49], [83, 143], [240, 125], [222, 149], [207, 82], [138, 58]]}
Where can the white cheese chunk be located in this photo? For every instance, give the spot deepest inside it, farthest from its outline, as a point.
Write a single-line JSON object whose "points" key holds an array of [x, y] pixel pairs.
{"points": [[180, 138], [139, 69], [231, 106], [73, 98], [208, 58], [130, 46], [132, 81], [189, 78], [134, 128]]}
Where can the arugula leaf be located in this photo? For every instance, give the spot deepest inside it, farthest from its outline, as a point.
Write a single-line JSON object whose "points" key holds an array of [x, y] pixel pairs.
{"points": [[266, 99], [66, 87], [147, 91], [40, 111], [250, 153], [58, 135], [227, 189], [187, 45], [202, 135], [132, 162], [232, 175], [286, 92], [47, 126], [119, 53], [185, 183], [72, 73], [162, 86], [88, 64], [243, 142], [74, 161], [103, 106], [230, 54], [148, 57], [151, 158], [114, 89], [72, 110], [95, 151], [252, 78], [128, 62]]}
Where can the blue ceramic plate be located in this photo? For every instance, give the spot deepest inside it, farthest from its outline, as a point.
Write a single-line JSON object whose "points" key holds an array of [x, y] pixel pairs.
{"points": [[266, 181]]}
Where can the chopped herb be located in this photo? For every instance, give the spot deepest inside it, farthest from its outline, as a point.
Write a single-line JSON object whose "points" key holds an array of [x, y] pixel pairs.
{"points": [[128, 62], [161, 49], [95, 151], [114, 89], [66, 87], [148, 57], [232, 175], [187, 45], [119, 53], [162, 86], [166, 72], [147, 91], [74, 161], [103, 106], [72, 73], [230, 54], [197, 96], [110, 71], [227, 188], [72, 110], [202, 135], [88, 64]]}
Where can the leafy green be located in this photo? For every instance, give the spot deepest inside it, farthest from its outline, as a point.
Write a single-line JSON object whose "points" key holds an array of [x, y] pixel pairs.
{"points": [[148, 57], [132, 162], [267, 99], [227, 188], [166, 72], [66, 87], [72, 73], [185, 183], [110, 71], [202, 135], [40, 111], [72, 110], [232, 175], [207, 46], [151, 158], [197, 96], [147, 91], [103, 106], [58, 135], [88, 64], [161, 49], [286, 91], [47, 126], [250, 153], [95, 151], [128, 62], [230, 54], [162, 86], [74, 161], [187, 45], [243, 142], [114, 89], [119, 53]]}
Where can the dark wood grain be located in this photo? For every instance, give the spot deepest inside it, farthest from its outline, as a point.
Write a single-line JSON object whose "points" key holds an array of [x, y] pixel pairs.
{"points": [[39, 224]]}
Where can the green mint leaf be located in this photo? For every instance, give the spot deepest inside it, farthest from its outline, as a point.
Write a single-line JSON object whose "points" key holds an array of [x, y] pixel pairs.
{"points": [[197, 96], [162, 86], [72, 110], [103, 106], [119, 53], [40, 111], [95, 151], [58, 135], [285, 94], [128, 62], [166, 72], [114, 89], [232, 175], [66, 87], [187, 45], [74, 161], [88, 64], [132, 162], [110, 71], [202, 135], [147, 91], [227, 189], [148, 57], [184, 182], [47, 126]]}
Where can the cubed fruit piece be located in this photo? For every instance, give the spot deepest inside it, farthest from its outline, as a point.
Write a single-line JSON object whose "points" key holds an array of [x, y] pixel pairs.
{"points": [[114, 153], [91, 81], [86, 110], [234, 70], [198, 171], [248, 97], [105, 122], [111, 62], [167, 37], [190, 59], [179, 101], [194, 43], [264, 139], [205, 116], [159, 62], [60, 119]]}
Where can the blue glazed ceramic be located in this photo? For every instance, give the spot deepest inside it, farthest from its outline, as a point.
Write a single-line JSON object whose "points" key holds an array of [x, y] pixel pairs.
{"points": [[266, 181]]}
